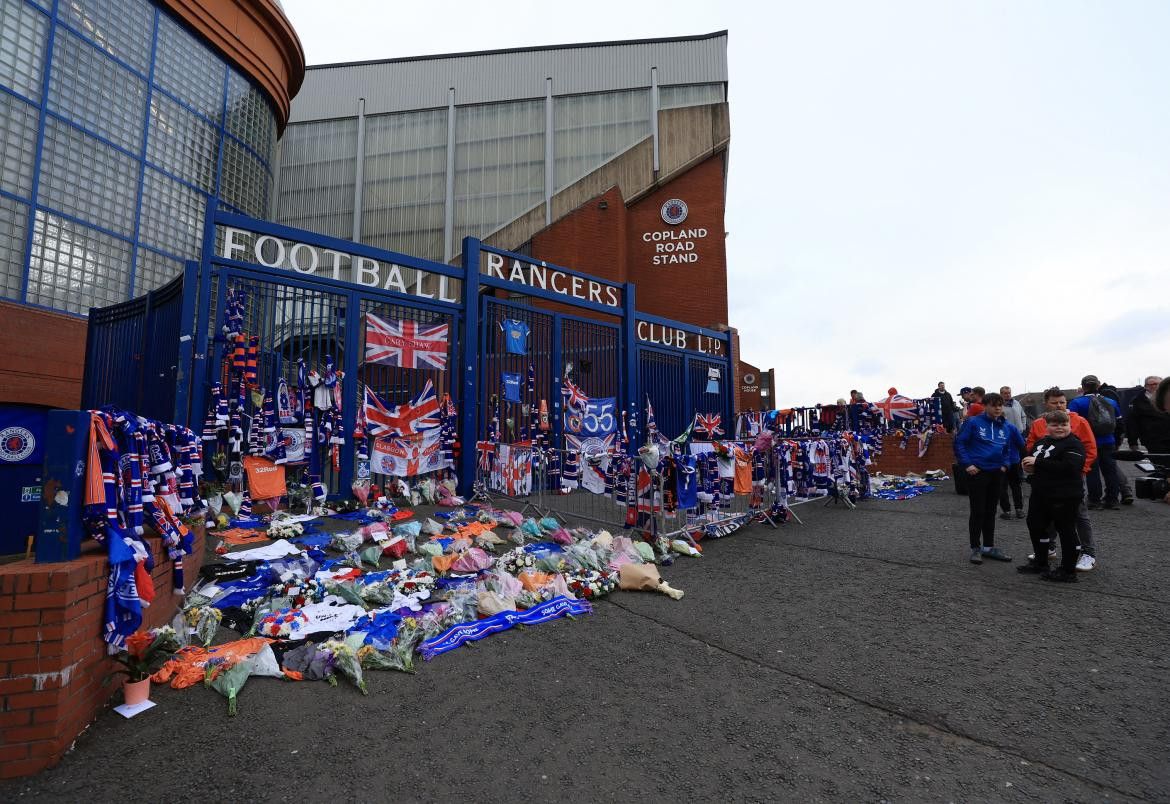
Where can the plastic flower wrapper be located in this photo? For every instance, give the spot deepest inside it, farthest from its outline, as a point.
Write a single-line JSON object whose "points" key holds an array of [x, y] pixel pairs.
{"points": [[549, 524], [584, 556], [345, 661], [204, 620], [371, 555], [624, 552], [400, 654], [410, 532], [347, 591], [603, 540], [516, 536], [380, 593], [472, 560], [684, 548], [551, 562], [513, 518], [644, 549], [531, 529], [484, 518], [431, 549], [430, 527], [561, 537], [347, 542], [375, 532], [437, 618]]}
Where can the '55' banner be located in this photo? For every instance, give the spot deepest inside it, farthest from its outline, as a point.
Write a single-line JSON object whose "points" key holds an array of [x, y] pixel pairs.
{"points": [[597, 420]]}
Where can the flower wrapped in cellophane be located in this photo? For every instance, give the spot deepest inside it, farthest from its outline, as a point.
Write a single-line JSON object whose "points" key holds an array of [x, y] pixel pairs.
{"points": [[204, 620], [345, 660]]}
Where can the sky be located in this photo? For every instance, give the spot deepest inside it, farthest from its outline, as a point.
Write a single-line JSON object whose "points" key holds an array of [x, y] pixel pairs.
{"points": [[976, 192]]}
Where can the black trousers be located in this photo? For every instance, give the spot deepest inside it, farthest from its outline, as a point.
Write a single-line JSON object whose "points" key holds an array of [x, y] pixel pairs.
{"points": [[1043, 512], [1013, 479], [983, 493]]}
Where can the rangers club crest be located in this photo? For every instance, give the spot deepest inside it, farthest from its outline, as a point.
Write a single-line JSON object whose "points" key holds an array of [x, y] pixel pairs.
{"points": [[16, 444], [674, 211]]}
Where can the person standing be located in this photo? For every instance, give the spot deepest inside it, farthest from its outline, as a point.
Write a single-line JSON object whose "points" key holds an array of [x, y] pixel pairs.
{"points": [[1103, 415], [1147, 425], [946, 405], [1057, 465], [976, 405], [1055, 399], [1013, 411], [982, 452], [1013, 478]]}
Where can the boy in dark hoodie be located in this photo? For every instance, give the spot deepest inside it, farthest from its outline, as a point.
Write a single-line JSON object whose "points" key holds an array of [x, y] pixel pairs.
{"points": [[1056, 464]]}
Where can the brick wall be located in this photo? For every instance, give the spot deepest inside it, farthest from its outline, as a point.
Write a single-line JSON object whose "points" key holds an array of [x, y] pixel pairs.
{"points": [[896, 461], [42, 356], [53, 663]]}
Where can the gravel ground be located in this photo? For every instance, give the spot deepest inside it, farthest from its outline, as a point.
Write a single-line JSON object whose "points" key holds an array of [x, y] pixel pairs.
{"points": [[858, 657]]}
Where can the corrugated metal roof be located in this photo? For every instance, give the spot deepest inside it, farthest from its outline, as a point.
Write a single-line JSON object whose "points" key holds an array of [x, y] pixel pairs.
{"points": [[397, 85]]}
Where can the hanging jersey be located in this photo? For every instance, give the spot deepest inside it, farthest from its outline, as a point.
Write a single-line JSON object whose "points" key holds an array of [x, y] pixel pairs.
{"points": [[511, 383], [515, 336], [743, 472], [688, 482]]}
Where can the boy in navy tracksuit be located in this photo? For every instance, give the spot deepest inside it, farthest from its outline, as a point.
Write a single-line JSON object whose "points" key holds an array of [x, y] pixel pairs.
{"points": [[982, 451], [1055, 464]]}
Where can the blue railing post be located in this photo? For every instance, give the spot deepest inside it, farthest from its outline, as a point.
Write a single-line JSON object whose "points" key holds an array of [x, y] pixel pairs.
{"points": [[349, 388], [469, 365], [188, 332], [558, 371], [59, 530], [630, 351]]}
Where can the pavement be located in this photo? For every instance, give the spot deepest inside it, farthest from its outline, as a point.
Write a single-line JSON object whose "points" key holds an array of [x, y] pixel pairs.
{"points": [[856, 657]]}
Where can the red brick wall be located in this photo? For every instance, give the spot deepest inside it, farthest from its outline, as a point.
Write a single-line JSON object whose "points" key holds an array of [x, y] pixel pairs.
{"points": [[53, 662], [609, 243], [896, 461], [42, 356]]}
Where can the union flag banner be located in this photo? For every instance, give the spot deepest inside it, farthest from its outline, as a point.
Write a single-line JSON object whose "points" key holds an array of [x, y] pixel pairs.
{"points": [[409, 455], [405, 343]]}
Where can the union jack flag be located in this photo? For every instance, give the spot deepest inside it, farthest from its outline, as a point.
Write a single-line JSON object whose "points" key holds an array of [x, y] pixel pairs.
{"points": [[896, 406], [576, 397], [408, 344], [709, 423], [415, 416]]}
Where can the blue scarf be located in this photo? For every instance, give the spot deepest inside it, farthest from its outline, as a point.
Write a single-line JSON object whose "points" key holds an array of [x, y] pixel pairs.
{"points": [[455, 636]]}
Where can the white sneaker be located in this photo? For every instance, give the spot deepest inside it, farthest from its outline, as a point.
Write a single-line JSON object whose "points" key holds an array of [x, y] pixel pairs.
{"points": [[1051, 555], [1086, 563]]}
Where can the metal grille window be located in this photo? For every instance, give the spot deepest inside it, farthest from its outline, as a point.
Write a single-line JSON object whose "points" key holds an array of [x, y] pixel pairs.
{"points": [[154, 270], [499, 164], [23, 34], [182, 142], [593, 129], [318, 170], [244, 181], [18, 132], [13, 231], [96, 92], [74, 267], [188, 70], [249, 116], [689, 95], [405, 182], [122, 28], [172, 215], [88, 179]]}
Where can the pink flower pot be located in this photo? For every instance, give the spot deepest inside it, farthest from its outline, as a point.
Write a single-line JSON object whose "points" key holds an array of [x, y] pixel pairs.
{"points": [[135, 692]]}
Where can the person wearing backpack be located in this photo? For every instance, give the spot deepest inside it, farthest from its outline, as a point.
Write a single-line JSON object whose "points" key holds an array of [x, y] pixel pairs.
{"points": [[1103, 416]]}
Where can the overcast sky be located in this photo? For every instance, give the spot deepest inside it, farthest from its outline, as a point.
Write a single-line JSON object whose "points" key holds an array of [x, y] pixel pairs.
{"points": [[977, 192]]}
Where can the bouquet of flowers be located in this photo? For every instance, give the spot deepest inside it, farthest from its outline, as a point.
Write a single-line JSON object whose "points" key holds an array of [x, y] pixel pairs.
{"points": [[346, 660], [284, 529], [205, 622], [513, 561], [585, 583], [299, 591], [280, 624]]}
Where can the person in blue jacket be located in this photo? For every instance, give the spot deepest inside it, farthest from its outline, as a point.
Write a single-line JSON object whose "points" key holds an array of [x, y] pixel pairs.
{"points": [[983, 453], [1104, 416], [1013, 479]]}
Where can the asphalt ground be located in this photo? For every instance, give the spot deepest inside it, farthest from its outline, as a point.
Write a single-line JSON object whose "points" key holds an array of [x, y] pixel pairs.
{"points": [[858, 657]]}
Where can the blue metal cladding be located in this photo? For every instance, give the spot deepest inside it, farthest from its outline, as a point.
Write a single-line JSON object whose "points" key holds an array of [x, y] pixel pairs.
{"points": [[160, 354], [133, 117]]}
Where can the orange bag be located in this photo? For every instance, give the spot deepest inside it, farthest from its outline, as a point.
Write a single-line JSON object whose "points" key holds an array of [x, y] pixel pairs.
{"points": [[265, 478]]}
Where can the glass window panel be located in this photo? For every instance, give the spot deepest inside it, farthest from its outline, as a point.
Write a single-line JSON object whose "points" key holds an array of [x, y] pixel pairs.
{"points": [[250, 117], [172, 215], [96, 92], [188, 70], [593, 129], [87, 178], [182, 142], [317, 174], [154, 270], [123, 28], [499, 164], [689, 95], [405, 182], [13, 239], [73, 267], [23, 34], [18, 137], [244, 181]]}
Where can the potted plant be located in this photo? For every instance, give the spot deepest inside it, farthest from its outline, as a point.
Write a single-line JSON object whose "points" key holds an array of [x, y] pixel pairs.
{"points": [[146, 652]]}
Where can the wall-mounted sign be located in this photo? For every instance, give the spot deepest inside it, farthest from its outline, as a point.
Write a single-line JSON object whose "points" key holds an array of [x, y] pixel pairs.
{"points": [[674, 246], [309, 260], [674, 211], [677, 338], [543, 276]]}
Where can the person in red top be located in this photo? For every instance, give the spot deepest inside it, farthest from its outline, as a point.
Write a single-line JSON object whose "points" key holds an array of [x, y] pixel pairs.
{"points": [[1055, 399], [975, 407]]}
